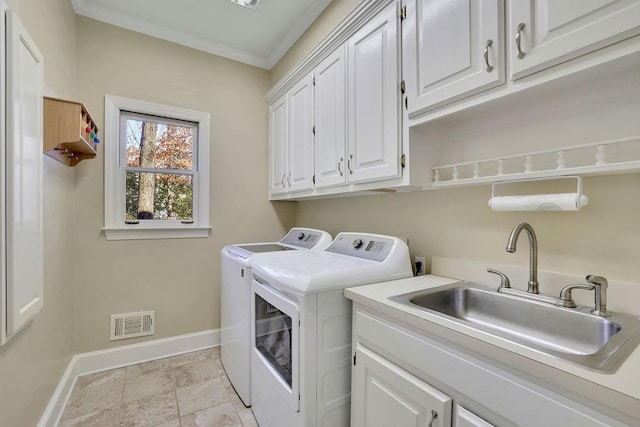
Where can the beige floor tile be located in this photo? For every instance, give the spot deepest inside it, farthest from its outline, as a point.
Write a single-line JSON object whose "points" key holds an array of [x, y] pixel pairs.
{"points": [[201, 396], [193, 373], [247, 418], [100, 378], [146, 385], [147, 367], [235, 399], [223, 415], [150, 411], [172, 423], [93, 399], [195, 356], [106, 418], [219, 367]]}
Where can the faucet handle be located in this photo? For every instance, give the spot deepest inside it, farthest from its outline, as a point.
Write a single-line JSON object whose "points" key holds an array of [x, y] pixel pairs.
{"points": [[566, 297], [504, 280]]}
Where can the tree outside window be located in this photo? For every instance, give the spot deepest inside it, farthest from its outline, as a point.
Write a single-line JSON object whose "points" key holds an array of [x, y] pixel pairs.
{"points": [[159, 158]]}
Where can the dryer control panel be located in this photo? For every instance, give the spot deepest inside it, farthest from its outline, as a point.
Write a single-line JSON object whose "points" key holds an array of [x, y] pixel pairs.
{"points": [[367, 246]]}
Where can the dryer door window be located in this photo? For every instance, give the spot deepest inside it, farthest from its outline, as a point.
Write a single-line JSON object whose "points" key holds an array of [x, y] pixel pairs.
{"points": [[274, 337]]}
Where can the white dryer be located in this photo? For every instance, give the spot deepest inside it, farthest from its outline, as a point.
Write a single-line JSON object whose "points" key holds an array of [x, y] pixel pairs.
{"points": [[301, 334], [235, 299]]}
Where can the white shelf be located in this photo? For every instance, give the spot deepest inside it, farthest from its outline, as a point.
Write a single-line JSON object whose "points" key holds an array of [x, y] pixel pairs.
{"points": [[597, 158]]}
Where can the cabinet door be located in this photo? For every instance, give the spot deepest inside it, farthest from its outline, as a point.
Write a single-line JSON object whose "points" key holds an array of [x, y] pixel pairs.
{"points": [[24, 210], [454, 49], [374, 99], [278, 146], [300, 147], [330, 118], [550, 31], [464, 418], [382, 395]]}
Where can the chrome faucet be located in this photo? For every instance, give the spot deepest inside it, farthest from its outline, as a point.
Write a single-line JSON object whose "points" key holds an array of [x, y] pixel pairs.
{"points": [[597, 284], [533, 253]]}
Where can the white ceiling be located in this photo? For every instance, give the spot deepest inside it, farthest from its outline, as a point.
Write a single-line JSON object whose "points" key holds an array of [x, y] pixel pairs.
{"points": [[258, 37]]}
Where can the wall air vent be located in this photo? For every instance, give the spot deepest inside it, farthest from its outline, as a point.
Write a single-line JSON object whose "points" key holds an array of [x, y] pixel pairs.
{"points": [[131, 325]]}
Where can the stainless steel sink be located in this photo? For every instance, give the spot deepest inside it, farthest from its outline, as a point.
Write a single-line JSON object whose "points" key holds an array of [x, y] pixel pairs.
{"points": [[575, 335]]}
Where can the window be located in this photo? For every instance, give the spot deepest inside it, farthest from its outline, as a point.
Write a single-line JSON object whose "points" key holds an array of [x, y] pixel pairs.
{"points": [[156, 171]]}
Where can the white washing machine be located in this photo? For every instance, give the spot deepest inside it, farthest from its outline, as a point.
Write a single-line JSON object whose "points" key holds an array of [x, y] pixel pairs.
{"points": [[301, 334], [235, 299]]}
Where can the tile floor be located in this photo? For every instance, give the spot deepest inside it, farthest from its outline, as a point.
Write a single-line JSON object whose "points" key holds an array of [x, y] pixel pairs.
{"points": [[191, 389]]}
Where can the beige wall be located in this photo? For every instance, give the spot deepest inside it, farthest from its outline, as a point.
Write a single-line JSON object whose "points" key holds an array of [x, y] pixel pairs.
{"points": [[178, 278], [603, 238], [32, 362]]}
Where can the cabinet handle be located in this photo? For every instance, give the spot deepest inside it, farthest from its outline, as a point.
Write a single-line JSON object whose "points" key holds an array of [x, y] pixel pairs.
{"points": [[486, 55], [519, 29], [339, 163], [349, 164], [289, 179], [282, 181], [434, 415]]}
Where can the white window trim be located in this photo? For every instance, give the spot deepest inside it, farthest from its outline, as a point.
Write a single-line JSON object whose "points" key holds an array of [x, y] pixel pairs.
{"points": [[115, 227]]}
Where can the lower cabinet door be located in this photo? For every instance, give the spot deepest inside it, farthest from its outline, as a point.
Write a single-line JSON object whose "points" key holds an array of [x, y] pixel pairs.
{"points": [[383, 395], [464, 418]]}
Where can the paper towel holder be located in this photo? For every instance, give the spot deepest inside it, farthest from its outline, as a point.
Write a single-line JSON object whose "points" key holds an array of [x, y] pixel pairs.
{"points": [[539, 202]]}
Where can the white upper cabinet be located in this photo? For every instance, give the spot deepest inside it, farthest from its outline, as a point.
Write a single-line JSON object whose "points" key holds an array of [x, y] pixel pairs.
{"points": [[300, 146], [453, 48], [330, 117], [23, 204], [291, 140], [547, 32], [373, 87], [278, 141]]}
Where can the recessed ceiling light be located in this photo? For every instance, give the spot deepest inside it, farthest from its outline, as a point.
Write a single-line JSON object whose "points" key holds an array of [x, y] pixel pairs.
{"points": [[251, 4]]}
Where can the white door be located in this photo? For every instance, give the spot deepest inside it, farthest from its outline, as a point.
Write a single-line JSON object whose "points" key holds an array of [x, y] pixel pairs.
{"points": [[382, 395], [374, 99], [278, 141], [300, 99], [24, 212], [454, 49], [547, 32], [330, 120]]}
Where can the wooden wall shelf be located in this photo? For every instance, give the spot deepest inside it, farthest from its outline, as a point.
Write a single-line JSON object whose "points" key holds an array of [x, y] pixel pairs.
{"points": [[70, 134]]}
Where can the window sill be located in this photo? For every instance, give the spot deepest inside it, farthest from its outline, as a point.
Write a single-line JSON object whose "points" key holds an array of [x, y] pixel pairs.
{"points": [[155, 233]]}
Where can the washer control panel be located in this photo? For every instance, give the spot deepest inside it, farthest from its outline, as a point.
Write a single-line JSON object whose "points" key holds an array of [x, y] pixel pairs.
{"points": [[372, 247], [301, 237]]}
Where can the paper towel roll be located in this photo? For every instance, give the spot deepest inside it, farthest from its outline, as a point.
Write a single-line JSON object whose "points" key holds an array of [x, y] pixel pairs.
{"points": [[539, 202]]}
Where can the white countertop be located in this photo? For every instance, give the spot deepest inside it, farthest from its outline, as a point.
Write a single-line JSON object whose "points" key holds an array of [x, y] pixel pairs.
{"points": [[625, 380]]}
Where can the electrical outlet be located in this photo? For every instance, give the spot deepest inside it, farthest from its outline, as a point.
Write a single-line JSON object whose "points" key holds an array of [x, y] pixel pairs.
{"points": [[420, 263]]}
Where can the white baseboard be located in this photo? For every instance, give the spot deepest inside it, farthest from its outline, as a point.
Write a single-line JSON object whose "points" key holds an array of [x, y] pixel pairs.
{"points": [[55, 408], [104, 360]]}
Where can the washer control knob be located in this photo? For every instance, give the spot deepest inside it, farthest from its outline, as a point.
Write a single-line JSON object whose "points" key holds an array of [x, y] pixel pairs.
{"points": [[357, 244], [301, 235]]}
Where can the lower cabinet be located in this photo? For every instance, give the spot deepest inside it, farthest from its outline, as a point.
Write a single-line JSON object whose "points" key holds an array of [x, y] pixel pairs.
{"points": [[384, 394], [402, 377]]}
